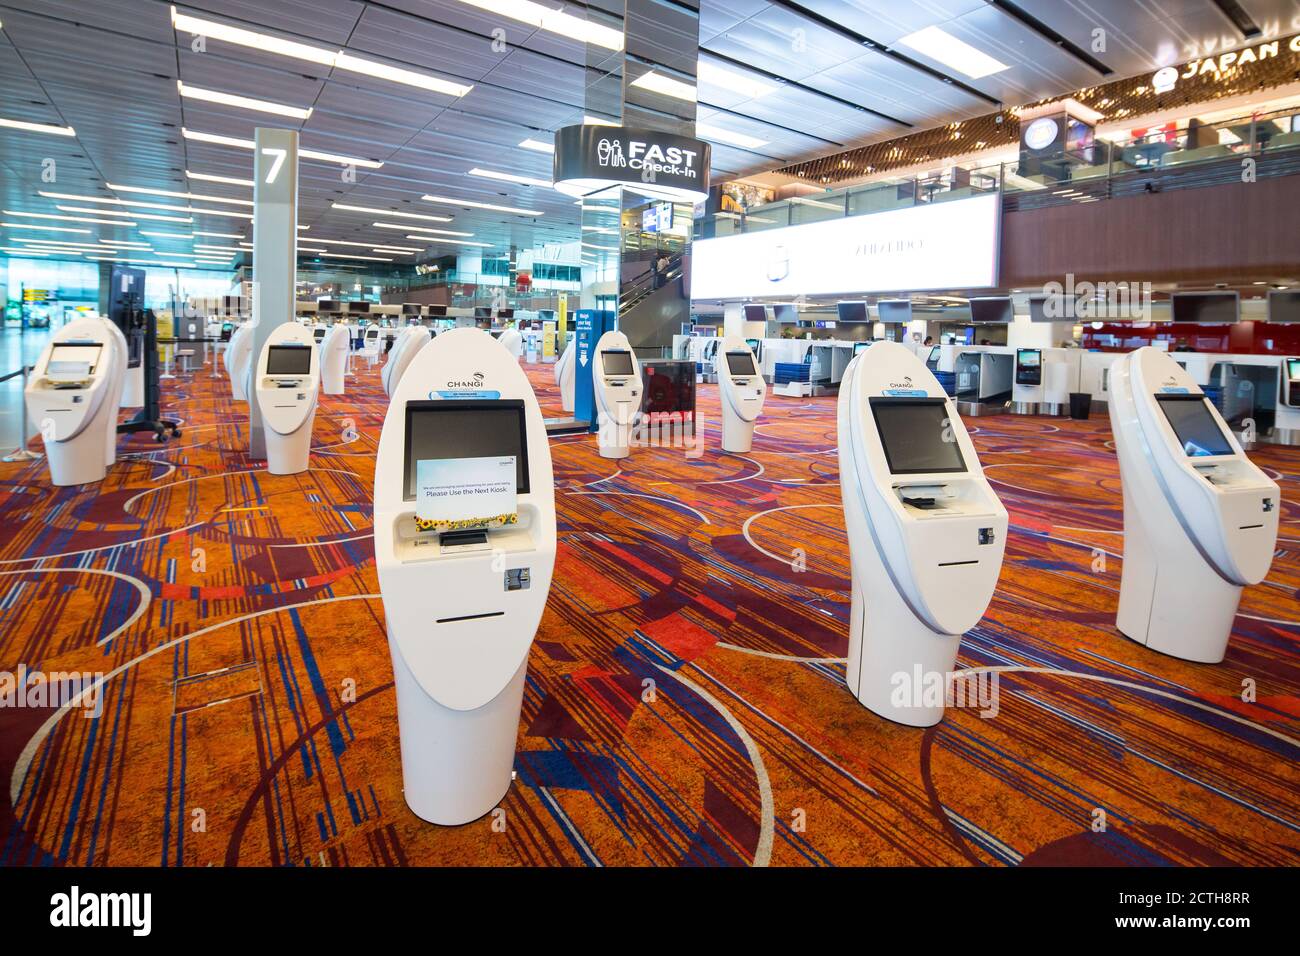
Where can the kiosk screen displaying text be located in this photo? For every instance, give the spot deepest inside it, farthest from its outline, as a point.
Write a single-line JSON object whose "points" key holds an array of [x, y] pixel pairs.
{"points": [[466, 492]]}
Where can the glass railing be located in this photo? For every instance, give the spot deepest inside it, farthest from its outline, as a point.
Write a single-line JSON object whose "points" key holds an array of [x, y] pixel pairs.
{"points": [[1194, 156]]}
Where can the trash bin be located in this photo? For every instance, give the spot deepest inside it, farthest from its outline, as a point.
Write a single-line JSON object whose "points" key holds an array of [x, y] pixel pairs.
{"points": [[1080, 406]]}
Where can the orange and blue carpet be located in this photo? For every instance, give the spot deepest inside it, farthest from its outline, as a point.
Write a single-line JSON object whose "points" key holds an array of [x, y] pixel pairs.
{"points": [[685, 702]]}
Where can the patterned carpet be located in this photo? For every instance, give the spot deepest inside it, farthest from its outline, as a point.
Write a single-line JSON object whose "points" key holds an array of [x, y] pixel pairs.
{"points": [[684, 703]]}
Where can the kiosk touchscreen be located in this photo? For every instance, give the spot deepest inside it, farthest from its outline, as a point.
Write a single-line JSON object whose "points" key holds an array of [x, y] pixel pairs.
{"points": [[1291, 382], [287, 384], [409, 342], [73, 398], [1029, 366], [565, 375], [513, 341], [334, 348], [239, 358], [926, 532], [616, 379], [1200, 519], [464, 547], [743, 391]]}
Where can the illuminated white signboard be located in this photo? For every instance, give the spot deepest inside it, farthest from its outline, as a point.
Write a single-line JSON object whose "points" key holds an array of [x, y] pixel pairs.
{"points": [[943, 245]]}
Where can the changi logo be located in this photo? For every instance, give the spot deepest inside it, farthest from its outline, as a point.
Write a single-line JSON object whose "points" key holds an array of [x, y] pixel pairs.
{"points": [[905, 383], [778, 267], [475, 382]]}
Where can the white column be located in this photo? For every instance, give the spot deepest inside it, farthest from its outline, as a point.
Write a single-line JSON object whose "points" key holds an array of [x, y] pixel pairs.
{"points": [[275, 250], [1023, 334]]}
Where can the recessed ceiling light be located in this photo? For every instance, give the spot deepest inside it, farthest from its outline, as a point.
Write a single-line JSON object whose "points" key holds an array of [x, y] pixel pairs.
{"points": [[711, 73], [202, 197], [553, 21], [46, 215], [388, 212], [538, 146], [510, 177], [132, 215], [588, 120], [340, 59], [302, 153], [228, 180], [39, 127], [345, 255], [410, 228], [32, 225], [208, 248], [950, 51], [168, 235], [720, 135], [666, 85], [241, 102], [445, 200], [432, 240]]}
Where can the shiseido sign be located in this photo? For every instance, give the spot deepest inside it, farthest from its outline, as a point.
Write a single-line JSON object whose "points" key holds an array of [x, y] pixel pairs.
{"points": [[589, 158]]}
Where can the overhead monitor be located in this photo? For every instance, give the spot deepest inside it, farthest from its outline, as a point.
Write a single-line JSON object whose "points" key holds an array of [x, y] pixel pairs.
{"points": [[785, 313], [894, 310], [739, 364], [357, 308], [991, 309], [436, 311], [410, 308], [482, 312], [289, 360], [616, 362], [463, 428], [328, 305], [1193, 422], [755, 313], [81, 357], [917, 436], [505, 313], [851, 311], [1284, 305], [1038, 310], [1205, 308]]}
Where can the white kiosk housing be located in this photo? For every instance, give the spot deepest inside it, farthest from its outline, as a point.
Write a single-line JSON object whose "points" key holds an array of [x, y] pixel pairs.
{"points": [[73, 397], [334, 359], [513, 340], [409, 342], [926, 532], [1200, 519], [117, 390], [743, 391], [462, 605], [239, 357], [287, 386], [565, 374], [616, 381]]}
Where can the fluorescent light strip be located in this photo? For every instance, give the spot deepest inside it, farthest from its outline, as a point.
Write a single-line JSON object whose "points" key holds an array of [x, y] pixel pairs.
{"points": [[46, 215], [130, 245], [434, 240], [511, 177], [715, 75], [302, 153], [305, 249], [447, 201], [32, 225], [339, 59], [169, 235], [719, 135], [597, 121], [177, 255], [228, 180], [199, 245], [537, 146], [242, 102], [220, 235], [202, 197], [38, 127], [345, 255], [348, 242], [404, 228], [390, 212], [59, 243], [24, 252], [665, 85], [950, 51], [400, 250], [132, 215], [135, 203]]}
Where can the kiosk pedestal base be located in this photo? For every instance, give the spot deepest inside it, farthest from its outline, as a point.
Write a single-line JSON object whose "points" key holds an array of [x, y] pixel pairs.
{"points": [[456, 764], [289, 454], [76, 463], [1182, 609], [737, 436]]}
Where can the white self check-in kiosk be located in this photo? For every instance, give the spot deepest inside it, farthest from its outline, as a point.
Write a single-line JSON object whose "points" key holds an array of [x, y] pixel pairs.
{"points": [[513, 342], [616, 381], [239, 358], [73, 398], [286, 387], [565, 375], [372, 343], [743, 391], [926, 533], [1200, 519], [464, 577], [334, 348], [412, 339]]}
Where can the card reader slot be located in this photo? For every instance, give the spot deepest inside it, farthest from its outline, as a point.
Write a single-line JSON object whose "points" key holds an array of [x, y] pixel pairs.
{"points": [[468, 617], [957, 564], [1249, 527]]}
